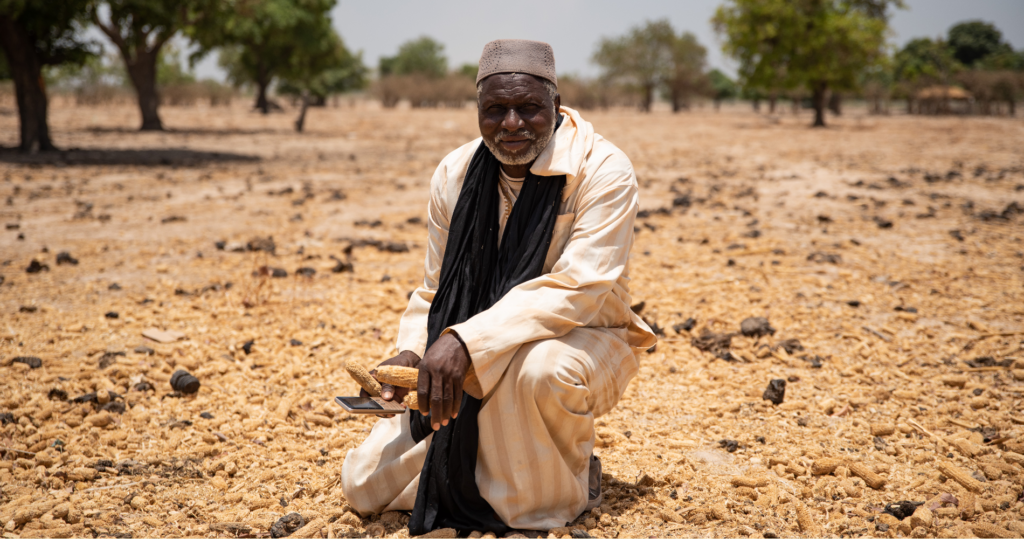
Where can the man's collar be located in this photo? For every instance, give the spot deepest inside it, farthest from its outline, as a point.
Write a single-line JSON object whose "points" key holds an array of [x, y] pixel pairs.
{"points": [[567, 151]]}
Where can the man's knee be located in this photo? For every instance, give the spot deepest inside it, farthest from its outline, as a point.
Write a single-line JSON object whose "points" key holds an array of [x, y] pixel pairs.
{"points": [[548, 370]]}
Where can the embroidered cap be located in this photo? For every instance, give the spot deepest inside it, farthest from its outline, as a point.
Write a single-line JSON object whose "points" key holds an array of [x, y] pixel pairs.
{"points": [[517, 56]]}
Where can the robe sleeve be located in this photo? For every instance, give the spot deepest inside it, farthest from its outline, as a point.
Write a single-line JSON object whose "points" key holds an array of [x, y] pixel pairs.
{"points": [[572, 294], [412, 330]]}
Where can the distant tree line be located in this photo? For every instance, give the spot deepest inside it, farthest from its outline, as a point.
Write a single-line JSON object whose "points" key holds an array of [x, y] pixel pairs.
{"points": [[291, 42], [821, 49]]}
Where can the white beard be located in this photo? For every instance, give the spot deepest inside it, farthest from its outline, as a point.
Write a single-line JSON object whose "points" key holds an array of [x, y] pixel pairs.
{"points": [[539, 143]]}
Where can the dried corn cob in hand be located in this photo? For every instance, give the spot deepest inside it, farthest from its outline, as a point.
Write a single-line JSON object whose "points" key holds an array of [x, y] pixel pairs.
{"points": [[406, 377], [363, 378]]}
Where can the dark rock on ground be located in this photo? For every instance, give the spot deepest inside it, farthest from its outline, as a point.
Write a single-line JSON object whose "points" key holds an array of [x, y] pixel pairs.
{"points": [[775, 392], [184, 382], [824, 258], [35, 267], [756, 326], [716, 343], [903, 509], [114, 407], [28, 309], [305, 272], [144, 350], [266, 245], [729, 445], [31, 361], [65, 257], [247, 347], [57, 394], [988, 361], [287, 525], [686, 325], [112, 315], [790, 346], [108, 359]]}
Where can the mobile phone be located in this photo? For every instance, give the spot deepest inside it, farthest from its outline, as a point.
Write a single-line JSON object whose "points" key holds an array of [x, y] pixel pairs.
{"points": [[369, 405]]}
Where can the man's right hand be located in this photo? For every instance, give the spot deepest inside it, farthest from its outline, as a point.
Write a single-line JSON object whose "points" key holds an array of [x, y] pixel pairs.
{"points": [[389, 392]]}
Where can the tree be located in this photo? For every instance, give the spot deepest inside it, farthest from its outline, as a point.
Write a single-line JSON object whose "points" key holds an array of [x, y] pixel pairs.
{"points": [[321, 66], [821, 45], [422, 56], [34, 34], [975, 40], [262, 39], [722, 87], [687, 77], [642, 59], [139, 29]]}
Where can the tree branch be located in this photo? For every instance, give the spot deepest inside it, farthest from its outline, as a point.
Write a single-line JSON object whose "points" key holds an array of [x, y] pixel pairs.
{"points": [[112, 33]]}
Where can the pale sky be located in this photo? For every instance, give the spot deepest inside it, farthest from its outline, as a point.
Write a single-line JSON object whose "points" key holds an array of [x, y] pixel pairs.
{"points": [[573, 27]]}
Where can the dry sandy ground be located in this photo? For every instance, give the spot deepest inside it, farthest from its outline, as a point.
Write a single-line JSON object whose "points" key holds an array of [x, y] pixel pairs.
{"points": [[888, 248]]}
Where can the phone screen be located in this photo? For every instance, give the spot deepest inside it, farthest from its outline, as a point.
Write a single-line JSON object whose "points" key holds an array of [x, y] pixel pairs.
{"points": [[360, 403]]}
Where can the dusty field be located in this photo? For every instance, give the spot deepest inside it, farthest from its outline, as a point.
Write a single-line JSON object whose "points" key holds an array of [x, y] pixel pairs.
{"points": [[885, 252]]}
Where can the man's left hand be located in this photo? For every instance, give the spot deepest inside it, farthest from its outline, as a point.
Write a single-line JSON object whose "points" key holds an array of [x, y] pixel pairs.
{"points": [[442, 372]]}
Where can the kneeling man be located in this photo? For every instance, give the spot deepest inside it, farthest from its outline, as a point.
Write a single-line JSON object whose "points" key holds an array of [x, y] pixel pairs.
{"points": [[522, 330]]}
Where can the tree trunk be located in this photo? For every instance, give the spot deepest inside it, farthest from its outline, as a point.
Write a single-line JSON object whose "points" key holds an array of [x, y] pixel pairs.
{"points": [[1012, 106], [301, 121], [796, 105], [262, 104], [142, 71], [29, 88], [835, 103], [757, 105], [648, 98], [718, 104], [677, 100], [818, 91], [771, 104]]}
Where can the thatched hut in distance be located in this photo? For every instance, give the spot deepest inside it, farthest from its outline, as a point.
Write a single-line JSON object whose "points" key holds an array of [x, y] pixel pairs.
{"points": [[940, 99]]}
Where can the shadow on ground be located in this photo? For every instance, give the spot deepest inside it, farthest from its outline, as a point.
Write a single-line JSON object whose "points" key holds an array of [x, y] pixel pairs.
{"points": [[172, 157]]}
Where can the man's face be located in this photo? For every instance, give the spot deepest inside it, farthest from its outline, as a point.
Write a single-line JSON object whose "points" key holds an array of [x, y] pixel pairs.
{"points": [[517, 116]]}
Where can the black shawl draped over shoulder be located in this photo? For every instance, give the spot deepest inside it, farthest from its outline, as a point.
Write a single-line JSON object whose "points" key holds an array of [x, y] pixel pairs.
{"points": [[475, 274]]}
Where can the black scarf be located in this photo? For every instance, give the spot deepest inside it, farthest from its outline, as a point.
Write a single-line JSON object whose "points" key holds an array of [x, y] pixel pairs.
{"points": [[475, 274]]}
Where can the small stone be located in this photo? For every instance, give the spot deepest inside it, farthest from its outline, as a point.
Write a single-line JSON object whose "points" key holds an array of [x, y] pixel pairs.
{"points": [[184, 382], [35, 267], [775, 392], [756, 326], [142, 349], [32, 361], [65, 257], [286, 525]]}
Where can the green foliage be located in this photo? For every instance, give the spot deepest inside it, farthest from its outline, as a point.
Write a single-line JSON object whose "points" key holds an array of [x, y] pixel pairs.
{"points": [[140, 27], [56, 28], [641, 58], [924, 61], [722, 87], [292, 40], [469, 71], [94, 71], [422, 56], [331, 70], [972, 41], [651, 56], [783, 44]]}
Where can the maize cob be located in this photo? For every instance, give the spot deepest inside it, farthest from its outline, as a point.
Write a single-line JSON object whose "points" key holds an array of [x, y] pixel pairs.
{"points": [[960, 476], [363, 378], [406, 377], [872, 479]]}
